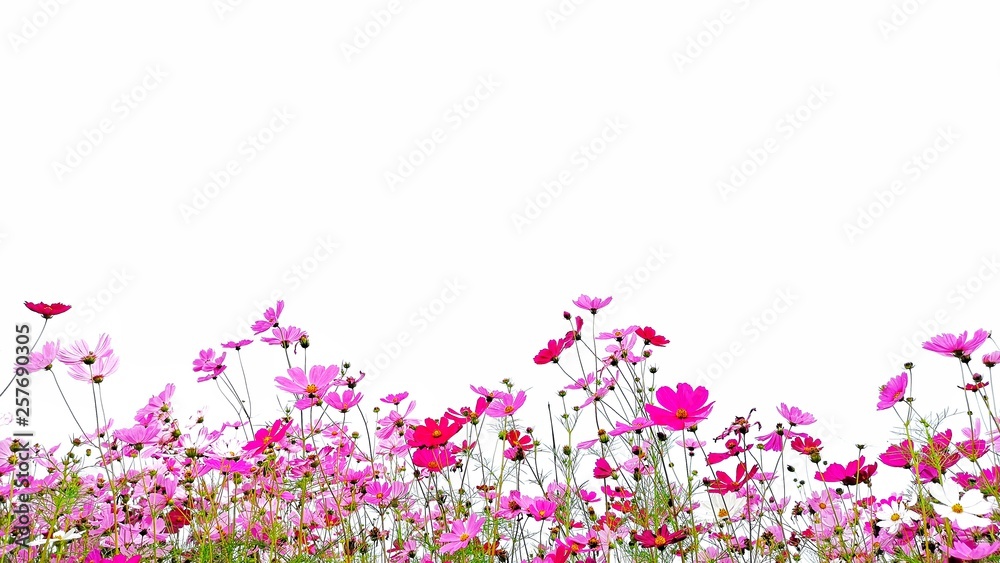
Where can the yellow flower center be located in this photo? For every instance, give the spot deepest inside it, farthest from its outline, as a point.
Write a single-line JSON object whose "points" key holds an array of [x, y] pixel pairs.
{"points": [[311, 388], [894, 517], [681, 413], [957, 508]]}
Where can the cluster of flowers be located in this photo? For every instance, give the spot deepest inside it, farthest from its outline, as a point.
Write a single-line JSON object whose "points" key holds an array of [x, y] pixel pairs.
{"points": [[476, 483]]}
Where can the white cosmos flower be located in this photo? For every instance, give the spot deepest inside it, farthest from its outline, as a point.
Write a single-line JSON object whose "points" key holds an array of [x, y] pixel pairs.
{"points": [[894, 515], [964, 510], [57, 536]]}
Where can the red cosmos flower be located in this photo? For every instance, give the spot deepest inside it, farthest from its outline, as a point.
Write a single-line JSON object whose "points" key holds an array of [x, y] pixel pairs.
{"points": [[683, 408], [45, 310], [649, 336], [177, 519], [855, 472], [661, 538], [433, 433], [807, 446], [265, 437], [519, 445], [724, 483], [551, 352]]}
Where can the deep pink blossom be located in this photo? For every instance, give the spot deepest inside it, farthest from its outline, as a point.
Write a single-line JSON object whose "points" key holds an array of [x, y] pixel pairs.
{"points": [[47, 311], [893, 392], [855, 472], [542, 509], [681, 409], [991, 359], [267, 437], [649, 337], [551, 352]]}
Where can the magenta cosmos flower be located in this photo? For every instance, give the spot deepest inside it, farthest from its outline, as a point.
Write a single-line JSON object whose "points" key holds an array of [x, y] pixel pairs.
{"points": [[45, 310], [957, 346], [893, 391], [682, 408], [270, 320], [266, 437], [591, 304]]}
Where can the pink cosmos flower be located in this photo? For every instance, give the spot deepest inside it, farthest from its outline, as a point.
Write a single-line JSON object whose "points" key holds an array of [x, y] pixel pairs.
{"points": [[591, 304], [542, 509], [795, 416], [461, 533], [207, 361], [971, 551], [348, 401], [240, 466], [158, 405], [617, 334], [312, 388], [394, 398], [991, 359], [237, 345], [957, 346], [506, 405], [266, 437], [80, 352], [893, 391], [138, 436], [94, 373], [96, 557], [270, 319], [682, 408], [44, 359], [286, 336]]}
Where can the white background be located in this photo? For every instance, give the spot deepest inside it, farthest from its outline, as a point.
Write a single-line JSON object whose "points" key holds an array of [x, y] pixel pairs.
{"points": [[700, 89]]}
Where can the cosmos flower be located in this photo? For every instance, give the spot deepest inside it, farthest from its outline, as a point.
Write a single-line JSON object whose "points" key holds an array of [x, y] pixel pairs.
{"points": [[957, 346], [681, 409], [45, 310]]}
